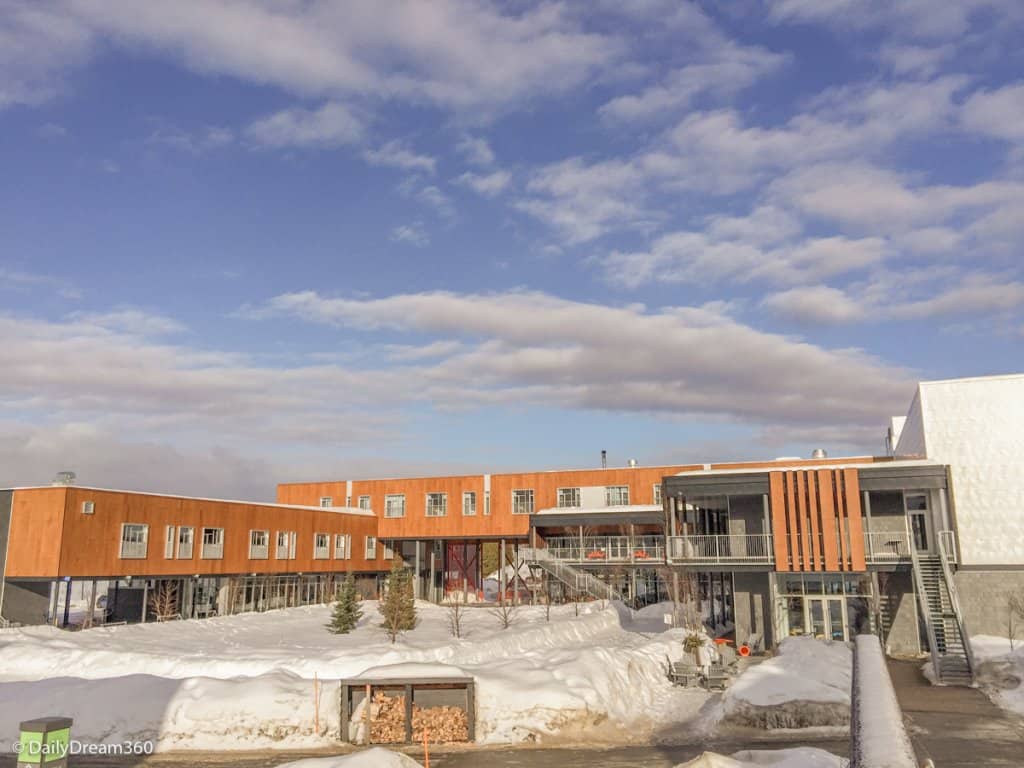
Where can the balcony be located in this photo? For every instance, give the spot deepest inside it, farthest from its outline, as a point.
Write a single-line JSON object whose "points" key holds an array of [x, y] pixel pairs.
{"points": [[724, 549], [598, 550], [886, 547]]}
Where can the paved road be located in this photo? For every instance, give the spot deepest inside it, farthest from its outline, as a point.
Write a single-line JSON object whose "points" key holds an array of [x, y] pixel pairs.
{"points": [[954, 726]]}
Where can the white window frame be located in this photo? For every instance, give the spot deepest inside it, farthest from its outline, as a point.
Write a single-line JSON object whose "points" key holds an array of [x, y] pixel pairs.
{"points": [[574, 494], [526, 505], [88, 507], [345, 550], [432, 507], [138, 545], [387, 505], [610, 489], [321, 551], [370, 547], [656, 493], [364, 502], [281, 548], [213, 550], [469, 510], [293, 545], [487, 503], [170, 538], [389, 550], [259, 551], [326, 501], [190, 533]]}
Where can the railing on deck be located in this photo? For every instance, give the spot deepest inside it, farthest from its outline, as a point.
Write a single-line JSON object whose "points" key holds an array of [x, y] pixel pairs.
{"points": [[947, 545], [607, 549], [737, 549], [886, 546]]}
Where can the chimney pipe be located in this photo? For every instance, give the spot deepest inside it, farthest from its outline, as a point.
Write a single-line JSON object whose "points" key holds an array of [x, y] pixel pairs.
{"points": [[604, 459]]}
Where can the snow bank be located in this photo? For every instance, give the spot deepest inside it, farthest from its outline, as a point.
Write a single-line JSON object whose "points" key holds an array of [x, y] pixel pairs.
{"points": [[1000, 671], [246, 681], [880, 740], [800, 757], [376, 757], [807, 684]]}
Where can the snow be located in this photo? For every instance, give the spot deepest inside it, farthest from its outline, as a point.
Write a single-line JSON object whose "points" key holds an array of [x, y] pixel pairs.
{"points": [[376, 757], [799, 757], [1000, 671], [806, 684], [247, 681], [882, 741]]}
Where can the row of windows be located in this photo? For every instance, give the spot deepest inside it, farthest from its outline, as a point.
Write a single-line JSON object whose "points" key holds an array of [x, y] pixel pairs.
{"points": [[328, 501], [178, 544], [522, 501]]}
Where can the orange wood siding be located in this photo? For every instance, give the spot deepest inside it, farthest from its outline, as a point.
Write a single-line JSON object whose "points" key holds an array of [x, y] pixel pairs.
{"points": [[37, 521], [824, 506], [90, 544]]}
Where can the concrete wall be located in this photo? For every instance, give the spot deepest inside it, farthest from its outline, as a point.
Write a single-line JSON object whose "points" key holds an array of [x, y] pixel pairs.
{"points": [[984, 596], [752, 607], [976, 426], [6, 497], [899, 605], [911, 444], [887, 513], [746, 515], [26, 602]]}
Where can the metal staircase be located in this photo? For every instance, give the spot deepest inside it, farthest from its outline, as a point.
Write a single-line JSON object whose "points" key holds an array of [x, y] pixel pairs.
{"points": [[575, 578], [952, 659]]}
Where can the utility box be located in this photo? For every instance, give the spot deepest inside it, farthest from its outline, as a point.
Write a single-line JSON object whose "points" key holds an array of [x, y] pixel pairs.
{"points": [[400, 710], [45, 743]]}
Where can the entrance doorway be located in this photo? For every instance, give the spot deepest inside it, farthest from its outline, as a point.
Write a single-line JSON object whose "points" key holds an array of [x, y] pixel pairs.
{"points": [[826, 617], [920, 521]]}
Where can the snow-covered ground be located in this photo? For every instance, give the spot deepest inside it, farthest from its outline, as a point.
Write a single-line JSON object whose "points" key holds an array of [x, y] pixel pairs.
{"points": [[807, 684], [246, 681], [801, 757], [1000, 671]]}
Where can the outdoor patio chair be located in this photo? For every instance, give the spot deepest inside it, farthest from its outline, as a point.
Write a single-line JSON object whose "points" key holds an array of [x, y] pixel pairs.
{"points": [[716, 678], [684, 673]]}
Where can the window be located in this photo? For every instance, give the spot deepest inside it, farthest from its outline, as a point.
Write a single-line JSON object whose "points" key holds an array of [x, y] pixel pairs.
{"points": [[522, 502], [169, 542], [342, 546], [469, 503], [348, 501], [389, 551], [292, 544], [487, 502], [281, 551], [326, 501], [616, 495], [134, 540], [321, 546], [259, 545], [213, 544], [186, 535], [657, 493], [917, 502], [364, 502], [568, 497], [371, 547], [437, 504], [88, 507], [394, 505]]}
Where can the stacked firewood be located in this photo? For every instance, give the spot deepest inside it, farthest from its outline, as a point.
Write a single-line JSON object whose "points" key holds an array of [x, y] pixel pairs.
{"points": [[443, 724], [387, 719]]}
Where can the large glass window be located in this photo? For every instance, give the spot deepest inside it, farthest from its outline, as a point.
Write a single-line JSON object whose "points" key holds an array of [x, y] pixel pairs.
{"points": [[437, 504], [568, 497], [469, 503], [213, 543], [364, 502], [134, 540], [321, 546], [259, 545], [522, 501], [657, 493], [186, 535], [394, 505], [326, 501], [616, 495]]}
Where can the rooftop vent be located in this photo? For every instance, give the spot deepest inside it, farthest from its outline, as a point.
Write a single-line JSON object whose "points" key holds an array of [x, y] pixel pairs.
{"points": [[819, 453], [64, 478], [632, 463]]}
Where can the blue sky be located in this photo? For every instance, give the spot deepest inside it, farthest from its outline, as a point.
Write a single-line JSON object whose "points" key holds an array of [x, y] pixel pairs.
{"points": [[249, 242]]}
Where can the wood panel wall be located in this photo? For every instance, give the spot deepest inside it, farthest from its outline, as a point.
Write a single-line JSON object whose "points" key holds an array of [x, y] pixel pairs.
{"points": [[80, 545], [816, 520]]}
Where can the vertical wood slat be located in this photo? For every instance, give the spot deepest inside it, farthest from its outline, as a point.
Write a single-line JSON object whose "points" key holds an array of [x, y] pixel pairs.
{"points": [[794, 524], [815, 515], [798, 478], [851, 484], [844, 555], [828, 520], [777, 505]]}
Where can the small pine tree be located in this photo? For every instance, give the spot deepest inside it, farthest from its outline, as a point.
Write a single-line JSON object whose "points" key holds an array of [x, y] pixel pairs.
{"points": [[347, 612], [398, 606]]}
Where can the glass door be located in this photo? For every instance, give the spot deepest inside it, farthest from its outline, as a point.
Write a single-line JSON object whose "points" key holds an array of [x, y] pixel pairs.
{"points": [[918, 513], [826, 618]]}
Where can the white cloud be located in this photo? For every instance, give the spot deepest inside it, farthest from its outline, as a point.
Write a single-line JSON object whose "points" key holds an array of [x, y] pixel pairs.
{"points": [[433, 196], [398, 155], [812, 304], [130, 320], [537, 348], [476, 150], [998, 113], [488, 184], [915, 60], [193, 142], [413, 234], [330, 125], [52, 131]]}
